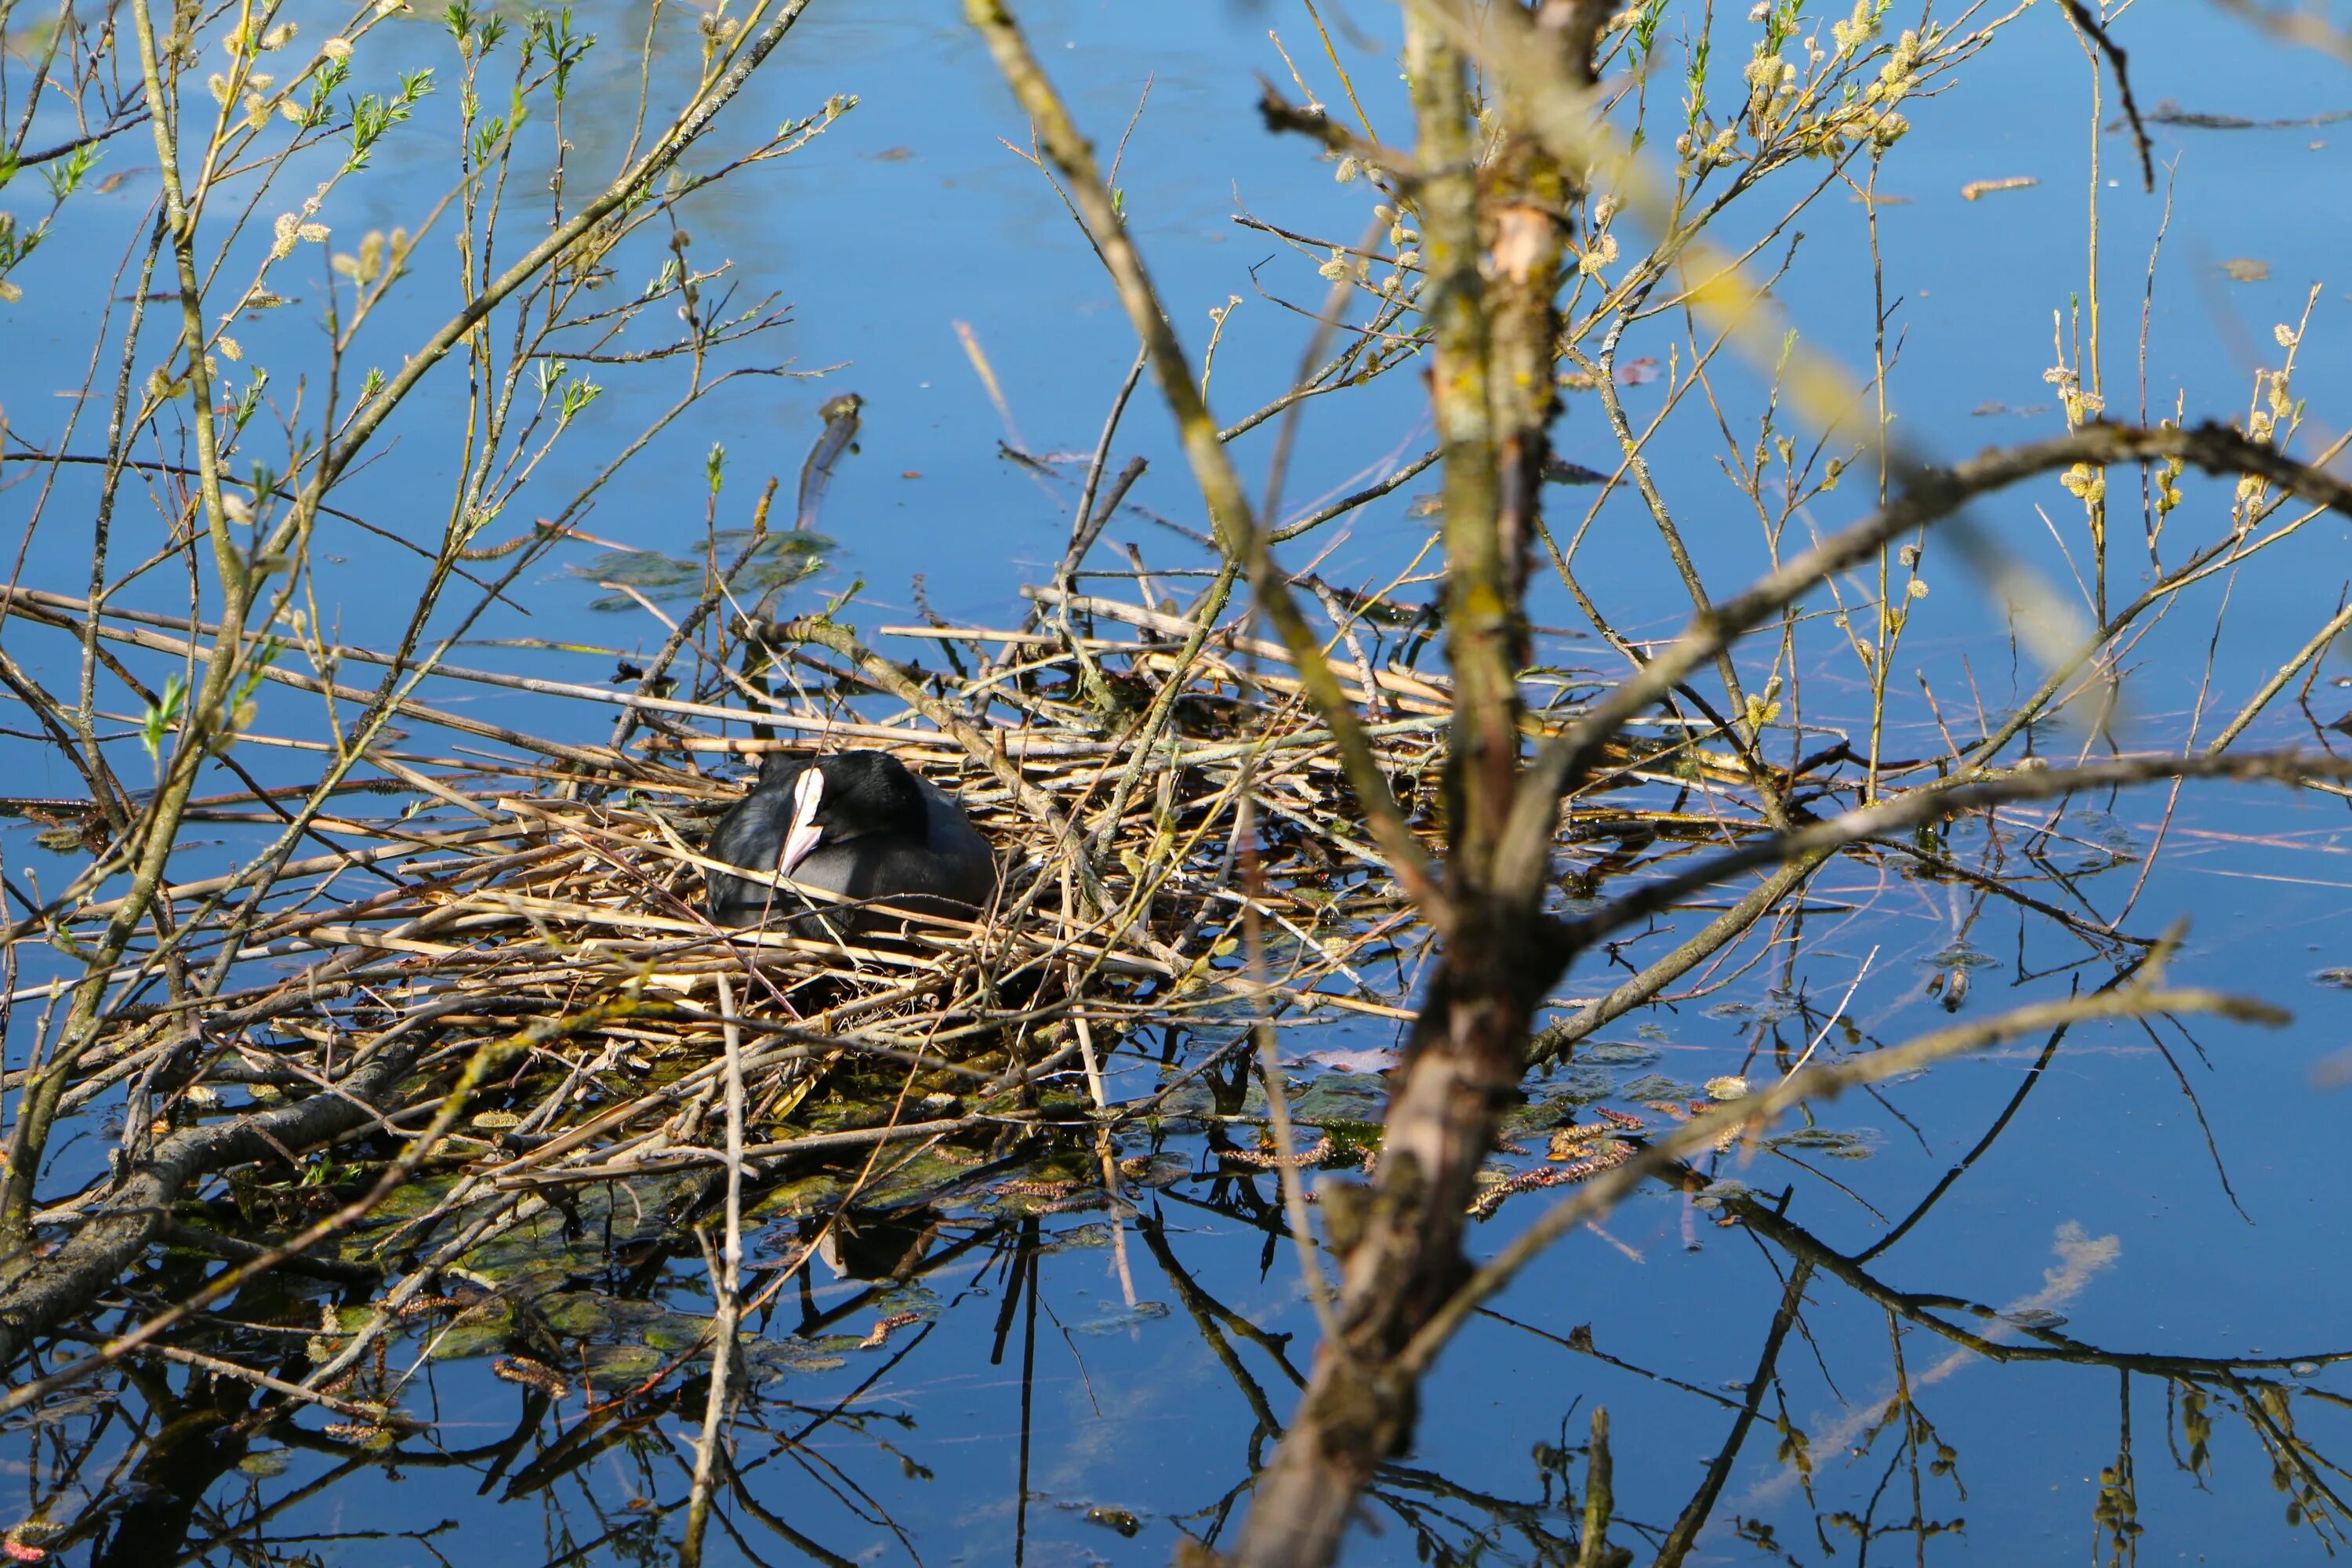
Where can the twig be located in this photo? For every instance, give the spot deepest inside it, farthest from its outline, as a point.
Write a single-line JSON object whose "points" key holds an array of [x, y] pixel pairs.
{"points": [[1238, 534]]}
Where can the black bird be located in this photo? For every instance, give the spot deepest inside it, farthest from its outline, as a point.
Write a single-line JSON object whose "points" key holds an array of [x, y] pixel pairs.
{"points": [[860, 825]]}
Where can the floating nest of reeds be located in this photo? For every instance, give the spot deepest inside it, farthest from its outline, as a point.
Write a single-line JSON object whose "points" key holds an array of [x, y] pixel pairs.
{"points": [[518, 965], [1176, 842]]}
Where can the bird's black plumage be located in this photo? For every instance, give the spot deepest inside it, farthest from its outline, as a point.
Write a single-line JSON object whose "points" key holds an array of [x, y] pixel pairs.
{"points": [[865, 827]]}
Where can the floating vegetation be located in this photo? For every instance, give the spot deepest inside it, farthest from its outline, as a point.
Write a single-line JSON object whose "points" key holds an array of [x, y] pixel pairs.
{"points": [[1855, 1143], [773, 563]]}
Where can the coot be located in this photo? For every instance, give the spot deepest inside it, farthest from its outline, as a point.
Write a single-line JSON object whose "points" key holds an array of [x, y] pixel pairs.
{"points": [[860, 825]]}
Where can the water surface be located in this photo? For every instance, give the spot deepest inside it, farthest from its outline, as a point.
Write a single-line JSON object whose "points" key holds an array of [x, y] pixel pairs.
{"points": [[2030, 1280]]}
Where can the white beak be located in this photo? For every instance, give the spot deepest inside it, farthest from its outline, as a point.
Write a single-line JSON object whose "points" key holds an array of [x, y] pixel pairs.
{"points": [[808, 793]]}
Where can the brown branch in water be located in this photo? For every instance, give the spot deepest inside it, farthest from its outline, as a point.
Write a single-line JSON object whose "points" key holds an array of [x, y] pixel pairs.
{"points": [[727, 1271], [2261, 699], [1599, 1500], [2056, 1345], [49, 1292], [1494, 238], [1695, 1514], [1557, 1038], [52, 1286], [1936, 803]]}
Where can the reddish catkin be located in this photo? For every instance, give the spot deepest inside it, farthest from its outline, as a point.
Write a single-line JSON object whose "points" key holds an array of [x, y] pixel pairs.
{"points": [[1603, 1156], [1268, 1159], [533, 1375], [883, 1328]]}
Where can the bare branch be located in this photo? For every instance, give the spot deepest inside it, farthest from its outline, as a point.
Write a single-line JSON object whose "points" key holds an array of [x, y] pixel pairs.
{"points": [[1237, 531], [1931, 496], [1934, 803]]}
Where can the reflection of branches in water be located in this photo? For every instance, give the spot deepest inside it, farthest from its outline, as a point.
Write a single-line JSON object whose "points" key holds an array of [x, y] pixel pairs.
{"points": [[1412, 1494], [138, 1476], [2264, 1402], [1921, 1456], [1579, 1340], [1479, 1525], [1452, 1536], [1694, 1515], [2114, 1519]]}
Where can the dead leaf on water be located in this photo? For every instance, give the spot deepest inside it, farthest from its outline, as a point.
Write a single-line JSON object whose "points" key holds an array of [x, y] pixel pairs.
{"points": [[1976, 188], [2245, 269]]}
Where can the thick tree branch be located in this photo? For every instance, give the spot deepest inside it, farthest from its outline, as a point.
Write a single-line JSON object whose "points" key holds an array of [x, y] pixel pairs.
{"points": [[48, 1292]]}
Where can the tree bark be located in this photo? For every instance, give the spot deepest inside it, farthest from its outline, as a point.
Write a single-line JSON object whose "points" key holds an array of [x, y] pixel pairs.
{"points": [[41, 1294]]}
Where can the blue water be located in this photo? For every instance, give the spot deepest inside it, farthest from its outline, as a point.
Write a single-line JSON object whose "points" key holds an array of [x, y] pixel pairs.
{"points": [[2099, 1203]]}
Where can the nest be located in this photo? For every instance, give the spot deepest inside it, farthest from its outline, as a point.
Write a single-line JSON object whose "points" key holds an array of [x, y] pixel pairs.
{"points": [[491, 1042], [1176, 835]]}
